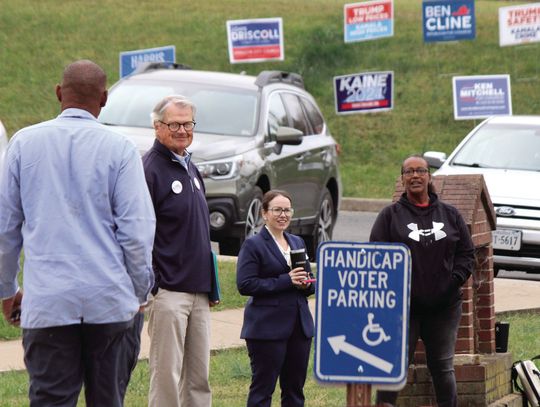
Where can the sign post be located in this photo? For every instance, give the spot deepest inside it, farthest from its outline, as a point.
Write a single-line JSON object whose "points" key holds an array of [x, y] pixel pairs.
{"points": [[362, 313]]}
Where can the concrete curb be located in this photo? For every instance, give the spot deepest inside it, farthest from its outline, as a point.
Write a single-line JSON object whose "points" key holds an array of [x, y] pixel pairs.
{"points": [[363, 204]]}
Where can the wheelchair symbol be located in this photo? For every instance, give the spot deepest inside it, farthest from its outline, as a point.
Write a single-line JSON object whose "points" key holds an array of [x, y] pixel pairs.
{"points": [[374, 331]]}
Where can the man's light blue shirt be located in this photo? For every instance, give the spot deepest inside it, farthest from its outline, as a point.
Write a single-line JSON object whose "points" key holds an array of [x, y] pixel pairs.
{"points": [[73, 194]]}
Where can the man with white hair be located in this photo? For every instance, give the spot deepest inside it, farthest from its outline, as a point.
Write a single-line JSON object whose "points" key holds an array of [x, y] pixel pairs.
{"points": [[179, 324]]}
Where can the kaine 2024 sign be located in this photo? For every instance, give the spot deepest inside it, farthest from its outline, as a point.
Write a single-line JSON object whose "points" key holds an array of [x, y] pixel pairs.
{"points": [[255, 40], [362, 312], [448, 20], [364, 92]]}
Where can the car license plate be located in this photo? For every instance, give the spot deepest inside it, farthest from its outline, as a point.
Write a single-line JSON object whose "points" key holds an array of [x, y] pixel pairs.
{"points": [[506, 239]]}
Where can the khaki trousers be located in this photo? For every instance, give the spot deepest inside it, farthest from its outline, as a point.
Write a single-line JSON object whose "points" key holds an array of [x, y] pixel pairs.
{"points": [[179, 329]]}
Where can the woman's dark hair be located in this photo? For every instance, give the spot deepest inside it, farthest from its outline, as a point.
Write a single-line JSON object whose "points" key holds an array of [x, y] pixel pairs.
{"points": [[268, 196]]}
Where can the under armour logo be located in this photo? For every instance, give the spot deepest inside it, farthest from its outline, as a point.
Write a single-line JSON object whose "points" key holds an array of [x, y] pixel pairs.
{"points": [[437, 231]]}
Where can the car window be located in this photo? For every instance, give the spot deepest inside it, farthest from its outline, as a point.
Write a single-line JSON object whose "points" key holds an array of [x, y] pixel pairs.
{"points": [[132, 105], [315, 118], [296, 113], [225, 112], [277, 115], [495, 146], [219, 110]]}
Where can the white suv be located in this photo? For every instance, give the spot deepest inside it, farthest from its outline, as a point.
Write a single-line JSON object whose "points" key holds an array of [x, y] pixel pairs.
{"points": [[506, 150]]}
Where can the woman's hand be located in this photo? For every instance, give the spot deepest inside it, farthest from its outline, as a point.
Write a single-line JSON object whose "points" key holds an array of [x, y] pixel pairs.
{"points": [[298, 277]]}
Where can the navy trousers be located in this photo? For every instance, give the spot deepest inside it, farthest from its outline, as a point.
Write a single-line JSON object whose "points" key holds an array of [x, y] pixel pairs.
{"points": [[287, 359], [60, 359]]}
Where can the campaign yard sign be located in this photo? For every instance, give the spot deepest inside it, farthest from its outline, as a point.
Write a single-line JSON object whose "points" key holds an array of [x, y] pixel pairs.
{"points": [[130, 60], [255, 40], [369, 20], [364, 92], [519, 24], [478, 97], [448, 20], [362, 313]]}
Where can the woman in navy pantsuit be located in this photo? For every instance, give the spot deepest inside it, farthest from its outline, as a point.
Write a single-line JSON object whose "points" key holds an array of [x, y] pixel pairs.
{"points": [[278, 326]]}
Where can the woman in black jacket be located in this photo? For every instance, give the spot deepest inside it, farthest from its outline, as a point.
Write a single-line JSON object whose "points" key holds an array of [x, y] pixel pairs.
{"points": [[442, 255]]}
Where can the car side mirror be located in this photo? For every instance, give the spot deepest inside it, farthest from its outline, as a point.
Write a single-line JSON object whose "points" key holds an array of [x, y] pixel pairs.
{"points": [[289, 135], [434, 158]]}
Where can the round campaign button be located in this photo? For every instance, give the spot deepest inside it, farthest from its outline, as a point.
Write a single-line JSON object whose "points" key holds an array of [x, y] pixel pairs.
{"points": [[176, 186], [197, 183]]}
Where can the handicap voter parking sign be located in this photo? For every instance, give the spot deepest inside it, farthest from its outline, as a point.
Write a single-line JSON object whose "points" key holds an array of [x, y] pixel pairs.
{"points": [[362, 312]]}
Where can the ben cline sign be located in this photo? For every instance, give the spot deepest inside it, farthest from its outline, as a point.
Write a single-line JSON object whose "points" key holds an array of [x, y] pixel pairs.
{"points": [[519, 24], [255, 40], [446, 20], [130, 60], [478, 97], [364, 92], [368, 20]]}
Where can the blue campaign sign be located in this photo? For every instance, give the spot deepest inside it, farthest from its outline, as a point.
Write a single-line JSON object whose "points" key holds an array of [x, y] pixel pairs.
{"points": [[481, 96], [448, 20], [130, 60], [362, 312], [364, 92], [255, 40]]}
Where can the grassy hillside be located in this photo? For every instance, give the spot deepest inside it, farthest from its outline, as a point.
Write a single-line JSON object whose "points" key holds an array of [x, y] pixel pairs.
{"points": [[39, 37]]}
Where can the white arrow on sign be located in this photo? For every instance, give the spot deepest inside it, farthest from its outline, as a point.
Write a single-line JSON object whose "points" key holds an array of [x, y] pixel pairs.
{"points": [[338, 344]]}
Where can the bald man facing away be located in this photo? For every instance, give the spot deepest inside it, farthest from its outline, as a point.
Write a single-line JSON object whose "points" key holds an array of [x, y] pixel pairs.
{"points": [[74, 196]]}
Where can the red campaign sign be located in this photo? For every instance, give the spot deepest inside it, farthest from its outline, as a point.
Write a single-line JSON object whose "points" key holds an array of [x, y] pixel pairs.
{"points": [[256, 52], [361, 105], [368, 13]]}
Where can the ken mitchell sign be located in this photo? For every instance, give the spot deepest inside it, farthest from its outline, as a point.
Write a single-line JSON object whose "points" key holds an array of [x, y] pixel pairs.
{"points": [[255, 40], [448, 20], [130, 60], [368, 20], [362, 312], [478, 97], [364, 92]]}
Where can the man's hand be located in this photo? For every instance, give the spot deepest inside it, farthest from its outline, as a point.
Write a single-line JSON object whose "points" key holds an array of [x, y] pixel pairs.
{"points": [[11, 308]]}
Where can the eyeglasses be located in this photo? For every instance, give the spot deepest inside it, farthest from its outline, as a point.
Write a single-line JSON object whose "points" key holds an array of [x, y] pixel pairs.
{"points": [[410, 171], [277, 211], [175, 126]]}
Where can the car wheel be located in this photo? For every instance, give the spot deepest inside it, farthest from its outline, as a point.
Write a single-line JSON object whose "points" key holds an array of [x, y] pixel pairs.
{"points": [[254, 222], [324, 226]]}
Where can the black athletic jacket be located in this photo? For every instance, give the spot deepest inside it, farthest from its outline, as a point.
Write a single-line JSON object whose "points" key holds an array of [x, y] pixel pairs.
{"points": [[442, 251]]}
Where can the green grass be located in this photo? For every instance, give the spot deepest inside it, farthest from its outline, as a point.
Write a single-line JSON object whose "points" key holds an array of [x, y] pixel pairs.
{"points": [[230, 373], [38, 38]]}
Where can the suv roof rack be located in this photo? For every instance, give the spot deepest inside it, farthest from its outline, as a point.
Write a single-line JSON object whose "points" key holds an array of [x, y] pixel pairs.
{"points": [[151, 66], [267, 77]]}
